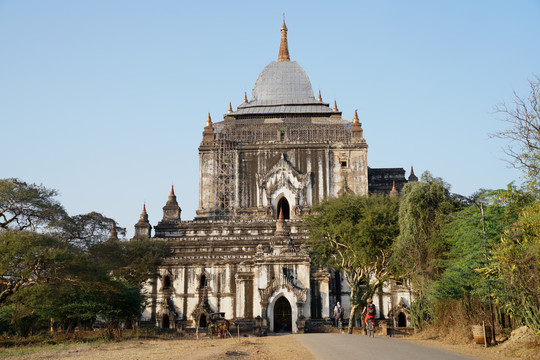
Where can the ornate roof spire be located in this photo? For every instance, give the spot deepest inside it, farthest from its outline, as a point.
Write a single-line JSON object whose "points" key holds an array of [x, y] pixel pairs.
{"points": [[143, 228], [335, 106], [230, 108], [144, 214], [320, 97], [284, 47], [394, 191], [355, 119], [113, 234], [171, 210], [245, 97], [412, 177], [208, 132]]}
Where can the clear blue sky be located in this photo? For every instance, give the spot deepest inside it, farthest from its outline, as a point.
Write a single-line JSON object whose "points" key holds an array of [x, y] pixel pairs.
{"points": [[106, 100]]}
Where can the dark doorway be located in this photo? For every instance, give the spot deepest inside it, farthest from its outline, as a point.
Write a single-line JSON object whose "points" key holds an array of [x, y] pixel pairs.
{"points": [[202, 320], [166, 282], [282, 315], [283, 204], [402, 320], [165, 322]]}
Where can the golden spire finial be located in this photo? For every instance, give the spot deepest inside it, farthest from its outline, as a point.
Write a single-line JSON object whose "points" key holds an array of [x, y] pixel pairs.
{"points": [[335, 106], [245, 97], [284, 47], [320, 97], [355, 119], [230, 108], [208, 121]]}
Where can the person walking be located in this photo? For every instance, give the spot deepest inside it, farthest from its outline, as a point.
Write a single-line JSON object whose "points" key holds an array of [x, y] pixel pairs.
{"points": [[338, 313]]}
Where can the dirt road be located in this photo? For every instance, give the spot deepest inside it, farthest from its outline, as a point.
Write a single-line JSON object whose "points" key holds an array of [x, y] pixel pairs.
{"points": [[343, 346], [284, 347]]}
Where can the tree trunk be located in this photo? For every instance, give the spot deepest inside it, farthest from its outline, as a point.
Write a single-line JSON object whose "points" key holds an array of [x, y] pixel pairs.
{"points": [[351, 318]]}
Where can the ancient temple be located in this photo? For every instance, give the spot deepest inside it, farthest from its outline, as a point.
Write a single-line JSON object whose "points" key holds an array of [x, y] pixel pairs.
{"points": [[261, 170]]}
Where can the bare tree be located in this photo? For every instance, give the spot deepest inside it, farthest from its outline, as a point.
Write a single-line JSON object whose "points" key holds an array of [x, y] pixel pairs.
{"points": [[523, 117]]}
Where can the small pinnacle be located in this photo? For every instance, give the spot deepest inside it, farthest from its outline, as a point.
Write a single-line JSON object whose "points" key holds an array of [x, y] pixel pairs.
{"points": [[230, 108], [335, 106], [412, 171], [355, 119], [320, 97], [394, 185], [245, 97], [172, 190], [281, 217], [208, 121], [144, 208]]}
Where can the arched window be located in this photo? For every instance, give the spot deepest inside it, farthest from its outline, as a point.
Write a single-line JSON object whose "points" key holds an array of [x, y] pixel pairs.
{"points": [[283, 205], [202, 285]]}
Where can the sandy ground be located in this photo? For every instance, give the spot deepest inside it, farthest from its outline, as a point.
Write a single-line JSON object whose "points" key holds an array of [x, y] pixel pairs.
{"points": [[271, 347], [282, 347]]}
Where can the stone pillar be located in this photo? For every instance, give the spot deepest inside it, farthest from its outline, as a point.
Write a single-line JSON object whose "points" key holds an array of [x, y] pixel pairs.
{"points": [[244, 295], [322, 278]]}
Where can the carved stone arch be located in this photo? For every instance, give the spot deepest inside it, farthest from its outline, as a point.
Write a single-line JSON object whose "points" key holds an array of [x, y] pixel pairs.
{"points": [[283, 179], [400, 314], [203, 280], [281, 286], [167, 315]]}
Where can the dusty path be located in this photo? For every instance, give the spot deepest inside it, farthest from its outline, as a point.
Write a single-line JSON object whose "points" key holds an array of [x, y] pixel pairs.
{"points": [[343, 346]]}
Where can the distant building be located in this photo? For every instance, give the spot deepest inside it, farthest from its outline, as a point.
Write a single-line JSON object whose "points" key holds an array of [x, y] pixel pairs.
{"points": [[261, 170]]}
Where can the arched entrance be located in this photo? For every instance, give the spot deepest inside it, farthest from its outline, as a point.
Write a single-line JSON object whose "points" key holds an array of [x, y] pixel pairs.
{"points": [[282, 315], [202, 320], [283, 204], [402, 320], [165, 322]]}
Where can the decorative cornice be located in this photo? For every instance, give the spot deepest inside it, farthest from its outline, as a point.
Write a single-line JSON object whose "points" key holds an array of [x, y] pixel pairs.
{"points": [[282, 282]]}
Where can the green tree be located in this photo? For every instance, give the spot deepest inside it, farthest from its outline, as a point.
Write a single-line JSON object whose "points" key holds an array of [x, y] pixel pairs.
{"points": [[516, 260], [464, 281], [420, 246], [354, 234], [27, 206], [27, 259], [66, 270]]}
